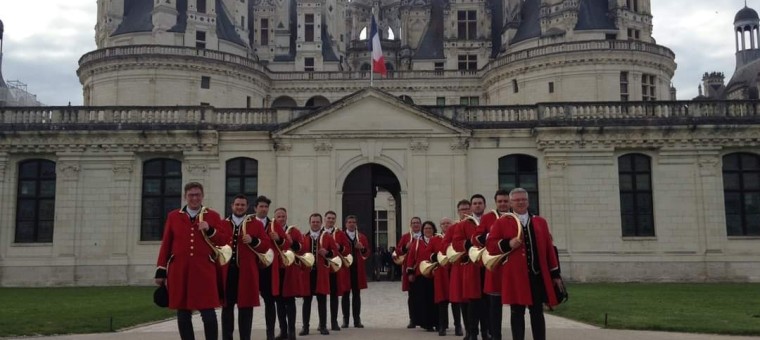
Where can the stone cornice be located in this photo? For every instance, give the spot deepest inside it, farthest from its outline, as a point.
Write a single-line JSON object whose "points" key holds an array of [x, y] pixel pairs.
{"points": [[104, 141]]}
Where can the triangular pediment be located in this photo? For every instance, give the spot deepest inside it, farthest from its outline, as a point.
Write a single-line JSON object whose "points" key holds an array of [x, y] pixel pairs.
{"points": [[374, 113]]}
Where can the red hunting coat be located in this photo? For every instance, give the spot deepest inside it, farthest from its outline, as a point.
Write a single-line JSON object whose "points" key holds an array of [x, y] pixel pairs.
{"points": [[247, 261], [472, 287], [191, 267], [321, 263], [277, 262], [418, 252], [455, 269], [343, 275], [360, 259], [401, 249], [293, 285], [515, 289], [492, 284], [440, 274]]}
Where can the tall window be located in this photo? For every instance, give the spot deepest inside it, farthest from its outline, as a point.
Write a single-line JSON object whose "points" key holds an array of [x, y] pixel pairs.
{"points": [[520, 171], [467, 25], [264, 32], [200, 5], [200, 39], [636, 208], [161, 193], [309, 27], [205, 82], [308, 64], [741, 190], [648, 87], [381, 229], [35, 201], [633, 5], [468, 62], [242, 178], [623, 86]]}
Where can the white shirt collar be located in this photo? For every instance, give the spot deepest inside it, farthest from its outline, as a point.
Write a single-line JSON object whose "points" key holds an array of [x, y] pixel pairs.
{"points": [[329, 230], [524, 218], [314, 234], [237, 220], [351, 234], [192, 212], [417, 235]]}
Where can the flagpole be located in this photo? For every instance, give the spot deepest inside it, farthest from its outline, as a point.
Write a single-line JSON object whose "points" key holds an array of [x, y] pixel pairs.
{"points": [[371, 61]]}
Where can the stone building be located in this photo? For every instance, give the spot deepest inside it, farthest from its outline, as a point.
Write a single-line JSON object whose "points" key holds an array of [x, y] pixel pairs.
{"points": [[633, 189]]}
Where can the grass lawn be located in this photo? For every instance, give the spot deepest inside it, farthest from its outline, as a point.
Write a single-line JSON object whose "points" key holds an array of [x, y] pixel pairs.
{"points": [[44, 311], [698, 308]]}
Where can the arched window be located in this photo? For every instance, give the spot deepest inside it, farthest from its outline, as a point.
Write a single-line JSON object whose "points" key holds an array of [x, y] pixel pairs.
{"points": [[284, 101], [242, 178], [520, 171], [363, 34], [35, 201], [391, 36], [161, 193], [406, 99], [636, 204], [317, 101], [741, 191]]}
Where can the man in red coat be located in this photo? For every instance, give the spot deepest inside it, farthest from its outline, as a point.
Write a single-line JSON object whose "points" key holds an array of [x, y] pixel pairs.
{"points": [[241, 274], [291, 283], [472, 275], [358, 247], [492, 279], [456, 296], [187, 263], [532, 267], [338, 280], [402, 249], [441, 280], [322, 245], [269, 278]]}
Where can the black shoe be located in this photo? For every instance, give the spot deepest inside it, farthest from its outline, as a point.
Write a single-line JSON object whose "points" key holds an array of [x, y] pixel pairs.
{"points": [[345, 324], [358, 325], [304, 331], [442, 332], [411, 325], [292, 335], [335, 327], [281, 336], [429, 329], [324, 331], [458, 331]]}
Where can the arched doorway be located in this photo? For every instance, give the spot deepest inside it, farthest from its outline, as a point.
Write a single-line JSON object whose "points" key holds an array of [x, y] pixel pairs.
{"points": [[373, 193]]}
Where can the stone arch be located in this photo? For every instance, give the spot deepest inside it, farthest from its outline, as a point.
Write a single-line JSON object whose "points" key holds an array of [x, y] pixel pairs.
{"points": [[284, 101]]}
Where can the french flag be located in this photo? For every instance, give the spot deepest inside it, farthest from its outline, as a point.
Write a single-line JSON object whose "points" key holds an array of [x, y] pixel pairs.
{"points": [[378, 62]]}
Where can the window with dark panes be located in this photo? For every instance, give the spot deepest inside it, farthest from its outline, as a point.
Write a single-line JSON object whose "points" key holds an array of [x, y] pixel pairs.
{"points": [[467, 25], [741, 191], [381, 229], [309, 27], [242, 177], [520, 171], [35, 200], [467, 62], [161, 193], [636, 204], [264, 32], [201, 6], [308, 64]]}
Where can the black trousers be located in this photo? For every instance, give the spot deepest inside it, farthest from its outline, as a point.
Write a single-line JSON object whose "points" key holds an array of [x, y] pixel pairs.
{"points": [[477, 315], [321, 303], [355, 297], [265, 289], [185, 324], [456, 314], [245, 317], [334, 299], [495, 315], [537, 323], [286, 309]]}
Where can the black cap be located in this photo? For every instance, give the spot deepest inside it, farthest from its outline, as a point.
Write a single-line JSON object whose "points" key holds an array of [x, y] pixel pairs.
{"points": [[161, 296]]}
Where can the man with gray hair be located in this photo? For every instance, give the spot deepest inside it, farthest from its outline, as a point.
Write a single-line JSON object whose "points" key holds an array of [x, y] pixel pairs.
{"points": [[529, 283]]}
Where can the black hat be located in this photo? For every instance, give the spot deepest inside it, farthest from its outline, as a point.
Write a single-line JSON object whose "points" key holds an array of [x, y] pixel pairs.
{"points": [[161, 296]]}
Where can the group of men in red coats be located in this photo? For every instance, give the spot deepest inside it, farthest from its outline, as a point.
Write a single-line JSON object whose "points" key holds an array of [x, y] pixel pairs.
{"points": [[188, 265], [525, 276]]}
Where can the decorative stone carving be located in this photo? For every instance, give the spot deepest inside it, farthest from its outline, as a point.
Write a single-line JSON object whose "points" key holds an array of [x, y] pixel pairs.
{"points": [[419, 146], [196, 169], [461, 145], [323, 146], [68, 171], [122, 171], [281, 146], [709, 165], [556, 164]]}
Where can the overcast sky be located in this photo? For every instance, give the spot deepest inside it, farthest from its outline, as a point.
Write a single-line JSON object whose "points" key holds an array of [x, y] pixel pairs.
{"points": [[45, 38]]}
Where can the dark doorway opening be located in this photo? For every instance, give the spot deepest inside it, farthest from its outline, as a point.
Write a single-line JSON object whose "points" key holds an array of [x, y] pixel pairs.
{"points": [[373, 193]]}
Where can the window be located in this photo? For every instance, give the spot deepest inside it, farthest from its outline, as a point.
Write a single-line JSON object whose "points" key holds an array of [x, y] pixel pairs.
{"points": [[242, 21], [242, 178], [161, 193], [648, 87], [623, 86], [741, 190], [308, 64], [634, 34], [438, 66], [35, 200], [381, 229], [309, 27], [467, 25], [551, 87], [264, 32], [440, 101], [200, 5], [468, 62], [520, 171], [633, 5], [205, 82], [515, 87], [200, 39], [636, 207], [469, 101]]}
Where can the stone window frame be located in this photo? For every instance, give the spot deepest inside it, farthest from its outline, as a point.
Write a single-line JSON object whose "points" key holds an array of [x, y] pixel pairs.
{"points": [[38, 198], [640, 195], [244, 174], [524, 166], [166, 201], [742, 190], [467, 24], [309, 34], [264, 31]]}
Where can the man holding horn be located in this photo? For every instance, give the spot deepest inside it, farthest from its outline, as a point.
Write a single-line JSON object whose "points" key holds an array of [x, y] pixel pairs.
{"points": [[402, 249], [269, 278], [321, 244], [187, 263], [291, 283], [359, 250]]}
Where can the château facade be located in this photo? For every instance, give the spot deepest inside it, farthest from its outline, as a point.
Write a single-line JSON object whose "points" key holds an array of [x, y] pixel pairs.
{"points": [[635, 186]]}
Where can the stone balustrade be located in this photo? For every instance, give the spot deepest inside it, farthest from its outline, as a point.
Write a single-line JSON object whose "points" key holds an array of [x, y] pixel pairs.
{"points": [[543, 114]]}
